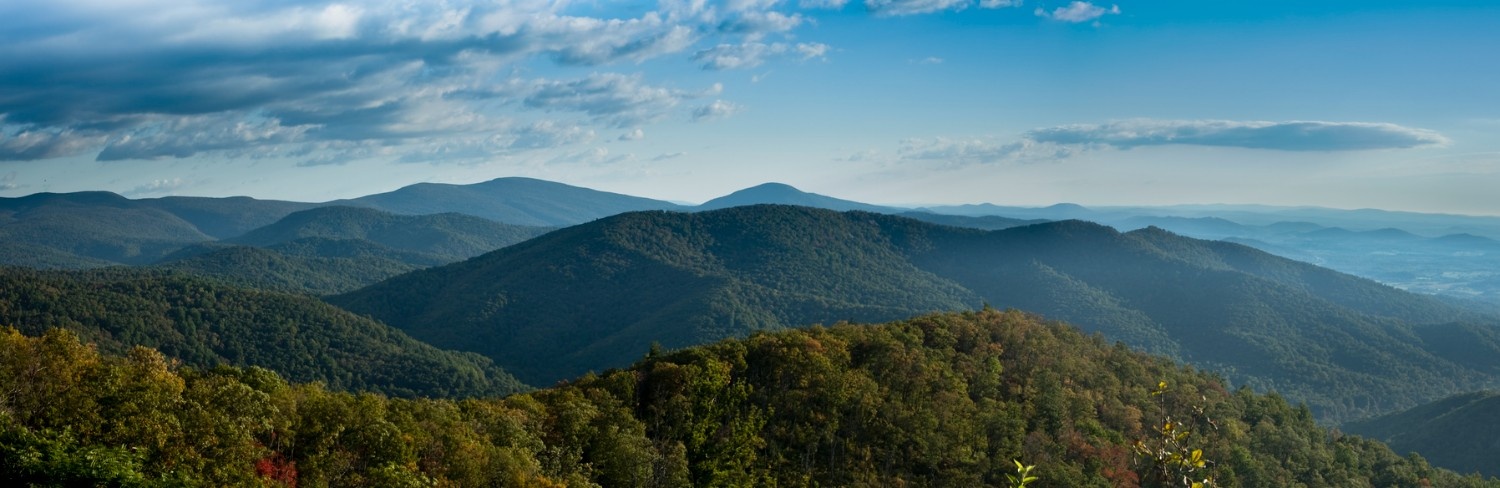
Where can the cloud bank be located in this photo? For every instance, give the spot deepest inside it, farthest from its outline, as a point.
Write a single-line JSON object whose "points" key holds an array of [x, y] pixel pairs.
{"points": [[151, 79], [1283, 136]]}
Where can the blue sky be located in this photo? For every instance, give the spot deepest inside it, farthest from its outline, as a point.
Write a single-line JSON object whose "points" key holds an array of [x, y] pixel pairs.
{"points": [[1342, 104]]}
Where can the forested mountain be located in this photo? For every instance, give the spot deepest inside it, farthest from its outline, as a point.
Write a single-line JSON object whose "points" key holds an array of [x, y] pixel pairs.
{"points": [[338, 249], [597, 295], [312, 265], [204, 324], [783, 194], [226, 217], [71, 230], [590, 296], [91, 229], [447, 236], [941, 401], [1461, 432], [518, 201]]}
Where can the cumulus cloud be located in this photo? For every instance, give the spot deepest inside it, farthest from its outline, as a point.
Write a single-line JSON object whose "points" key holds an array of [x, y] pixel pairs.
{"points": [[716, 110], [912, 7], [616, 99], [1285, 136], [635, 134], [8, 182], [186, 136], [752, 54], [757, 24], [1078, 12], [152, 79]]}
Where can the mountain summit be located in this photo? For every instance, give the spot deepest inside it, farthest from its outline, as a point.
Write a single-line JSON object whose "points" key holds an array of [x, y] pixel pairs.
{"points": [[517, 201], [784, 194]]}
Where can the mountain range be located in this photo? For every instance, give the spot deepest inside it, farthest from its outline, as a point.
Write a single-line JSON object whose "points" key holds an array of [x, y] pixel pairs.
{"points": [[591, 296], [624, 275]]}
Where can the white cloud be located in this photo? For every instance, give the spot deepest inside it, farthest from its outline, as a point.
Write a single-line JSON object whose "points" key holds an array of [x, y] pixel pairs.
{"points": [[29, 142], [999, 3], [1078, 12], [181, 137], [1285, 136], [616, 99], [752, 54], [157, 187], [596, 156], [968, 151], [666, 156], [912, 7], [145, 79], [633, 135], [8, 182], [714, 111], [823, 4]]}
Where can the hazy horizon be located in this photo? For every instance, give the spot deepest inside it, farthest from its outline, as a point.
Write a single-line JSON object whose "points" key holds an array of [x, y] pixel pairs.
{"points": [[1385, 104]]}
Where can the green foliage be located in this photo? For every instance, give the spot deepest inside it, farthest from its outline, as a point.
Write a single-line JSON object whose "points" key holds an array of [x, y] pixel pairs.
{"points": [[1171, 451], [595, 296], [942, 400], [302, 266], [205, 324], [1023, 476]]}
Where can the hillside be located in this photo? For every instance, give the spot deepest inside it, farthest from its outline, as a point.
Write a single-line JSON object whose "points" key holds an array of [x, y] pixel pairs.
{"points": [[447, 236], [310, 265], [589, 297], [942, 401], [1461, 432], [517, 201], [205, 324], [222, 218], [597, 295]]}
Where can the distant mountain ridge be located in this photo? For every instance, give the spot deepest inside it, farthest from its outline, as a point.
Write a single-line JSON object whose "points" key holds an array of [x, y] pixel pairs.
{"points": [[593, 295], [1461, 432], [450, 236], [514, 200], [92, 229]]}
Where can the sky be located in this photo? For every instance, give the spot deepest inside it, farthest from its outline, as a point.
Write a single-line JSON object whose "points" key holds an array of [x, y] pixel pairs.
{"points": [[1345, 104]]}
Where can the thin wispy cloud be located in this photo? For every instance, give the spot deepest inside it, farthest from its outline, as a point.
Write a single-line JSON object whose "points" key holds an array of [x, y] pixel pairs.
{"points": [[716, 110], [750, 55], [914, 7], [157, 187], [1283, 136]]}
